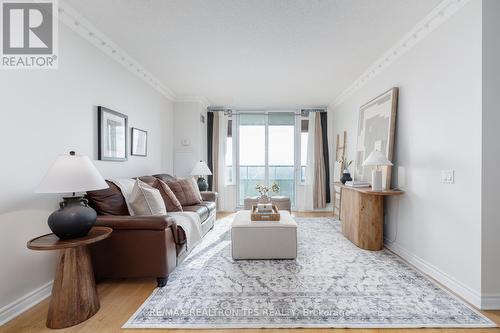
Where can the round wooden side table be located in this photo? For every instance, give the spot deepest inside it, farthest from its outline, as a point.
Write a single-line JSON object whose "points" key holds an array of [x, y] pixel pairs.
{"points": [[74, 295]]}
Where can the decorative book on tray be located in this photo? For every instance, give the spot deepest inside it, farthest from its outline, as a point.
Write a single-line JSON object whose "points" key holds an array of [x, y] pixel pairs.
{"points": [[357, 183]]}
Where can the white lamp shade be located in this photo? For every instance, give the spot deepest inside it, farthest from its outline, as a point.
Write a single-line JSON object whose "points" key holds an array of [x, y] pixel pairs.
{"points": [[376, 158], [201, 169], [71, 173]]}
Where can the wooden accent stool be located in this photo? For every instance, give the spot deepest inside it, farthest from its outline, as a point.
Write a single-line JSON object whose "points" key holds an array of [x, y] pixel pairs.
{"points": [[362, 215], [74, 295]]}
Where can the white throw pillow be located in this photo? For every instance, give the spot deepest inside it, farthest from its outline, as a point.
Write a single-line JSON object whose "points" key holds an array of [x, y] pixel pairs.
{"points": [[146, 200]]}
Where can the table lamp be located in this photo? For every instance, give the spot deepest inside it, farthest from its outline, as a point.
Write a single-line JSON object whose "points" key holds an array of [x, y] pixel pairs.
{"points": [[201, 169], [377, 159], [71, 174]]}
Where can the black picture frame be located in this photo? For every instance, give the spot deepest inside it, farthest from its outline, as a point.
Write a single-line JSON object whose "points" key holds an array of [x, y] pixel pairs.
{"points": [[133, 151], [103, 153]]}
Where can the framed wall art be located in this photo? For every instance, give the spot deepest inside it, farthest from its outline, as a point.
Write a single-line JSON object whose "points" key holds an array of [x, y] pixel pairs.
{"points": [[376, 126], [139, 142], [112, 135]]}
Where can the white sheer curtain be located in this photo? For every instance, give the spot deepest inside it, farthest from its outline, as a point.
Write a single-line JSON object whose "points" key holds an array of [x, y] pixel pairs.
{"points": [[221, 163], [308, 202]]}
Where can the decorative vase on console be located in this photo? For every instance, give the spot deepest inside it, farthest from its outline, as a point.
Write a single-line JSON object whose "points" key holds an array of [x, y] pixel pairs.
{"points": [[263, 190], [346, 175]]}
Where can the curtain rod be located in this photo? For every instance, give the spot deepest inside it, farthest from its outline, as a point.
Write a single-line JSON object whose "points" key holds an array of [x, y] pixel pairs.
{"points": [[210, 109]]}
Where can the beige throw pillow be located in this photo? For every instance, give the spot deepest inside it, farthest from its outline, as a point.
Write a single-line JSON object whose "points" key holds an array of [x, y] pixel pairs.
{"points": [[146, 200]]}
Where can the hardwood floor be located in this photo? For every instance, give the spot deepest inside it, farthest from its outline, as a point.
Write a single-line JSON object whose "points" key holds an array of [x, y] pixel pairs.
{"points": [[121, 298]]}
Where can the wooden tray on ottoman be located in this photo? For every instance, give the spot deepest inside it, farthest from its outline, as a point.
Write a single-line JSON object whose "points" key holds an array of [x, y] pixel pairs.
{"points": [[273, 216]]}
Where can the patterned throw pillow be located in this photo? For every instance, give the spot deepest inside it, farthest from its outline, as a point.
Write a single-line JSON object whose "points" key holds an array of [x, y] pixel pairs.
{"points": [[185, 191], [169, 198], [146, 200]]}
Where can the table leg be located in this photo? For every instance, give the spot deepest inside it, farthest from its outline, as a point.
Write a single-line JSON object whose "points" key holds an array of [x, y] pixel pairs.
{"points": [[362, 218], [74, 295]]}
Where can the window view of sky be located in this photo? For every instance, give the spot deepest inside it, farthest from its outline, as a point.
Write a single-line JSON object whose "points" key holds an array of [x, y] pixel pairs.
{"points": [[252, 145], [281, 145]]}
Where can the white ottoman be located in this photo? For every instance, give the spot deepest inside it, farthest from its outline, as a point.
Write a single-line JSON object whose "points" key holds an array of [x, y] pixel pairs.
{"points": [[263, 239]]}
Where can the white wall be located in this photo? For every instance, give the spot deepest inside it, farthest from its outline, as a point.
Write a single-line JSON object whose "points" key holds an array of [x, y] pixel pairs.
{"points": [[188, 126], [435, 226], [491, 153], [47, 113]]}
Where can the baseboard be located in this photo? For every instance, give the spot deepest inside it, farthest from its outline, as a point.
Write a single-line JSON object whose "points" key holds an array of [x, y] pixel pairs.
{"points": [[470, 295], [24, 303], [490, 302]]}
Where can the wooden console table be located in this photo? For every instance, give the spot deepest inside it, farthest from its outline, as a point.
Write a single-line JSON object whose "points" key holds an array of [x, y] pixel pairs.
{"points": [[362, 215], [74, 295]]}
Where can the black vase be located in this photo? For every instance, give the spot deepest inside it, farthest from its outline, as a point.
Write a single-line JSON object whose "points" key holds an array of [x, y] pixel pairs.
{"points": [[202, 184], [73, 220], [346, 177]]}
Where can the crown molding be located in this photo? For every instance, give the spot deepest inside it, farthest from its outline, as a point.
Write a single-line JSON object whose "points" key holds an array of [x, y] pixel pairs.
{"points": [[192, 99], [422, 29], [76, 22]]}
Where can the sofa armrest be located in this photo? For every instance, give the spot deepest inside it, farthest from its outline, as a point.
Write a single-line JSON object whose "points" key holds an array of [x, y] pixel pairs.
{"points": [[135, 222], [144, 222], [209, 196]]}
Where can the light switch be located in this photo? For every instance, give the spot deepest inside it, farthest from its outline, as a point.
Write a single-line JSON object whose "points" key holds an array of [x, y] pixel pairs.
{"points": [[448, 176]]}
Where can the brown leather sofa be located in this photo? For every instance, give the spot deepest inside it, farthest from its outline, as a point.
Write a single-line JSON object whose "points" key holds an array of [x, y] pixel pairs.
{"points": [[141, 246]]}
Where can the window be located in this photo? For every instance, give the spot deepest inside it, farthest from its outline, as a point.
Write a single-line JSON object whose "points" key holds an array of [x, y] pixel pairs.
{"points": [[266, 152], [281, 134], [252, 154]]}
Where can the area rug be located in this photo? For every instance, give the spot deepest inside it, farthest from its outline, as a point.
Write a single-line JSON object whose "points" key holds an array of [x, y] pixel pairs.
{"points": [[332, 283]]}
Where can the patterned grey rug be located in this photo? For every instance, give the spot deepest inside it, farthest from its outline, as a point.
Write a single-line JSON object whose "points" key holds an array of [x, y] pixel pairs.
{"points": [[331, 284]]}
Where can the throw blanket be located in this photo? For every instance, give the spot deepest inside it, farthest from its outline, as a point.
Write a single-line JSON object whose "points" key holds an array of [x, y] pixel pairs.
{"points": [[126, 185], [188, 221], [191, 224]]}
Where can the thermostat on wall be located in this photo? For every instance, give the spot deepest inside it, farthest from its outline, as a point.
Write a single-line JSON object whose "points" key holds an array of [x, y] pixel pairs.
{"points": [[185, 142]]}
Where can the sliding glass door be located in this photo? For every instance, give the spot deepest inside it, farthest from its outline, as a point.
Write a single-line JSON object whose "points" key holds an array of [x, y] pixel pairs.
{"points": [[266, 152], [281, 148]]}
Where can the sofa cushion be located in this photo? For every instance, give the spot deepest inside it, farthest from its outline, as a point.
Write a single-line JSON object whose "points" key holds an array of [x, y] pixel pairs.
{"points": [[186, 191], [210, 206], [146, 200], [171, 201], [201, 210], [108, 201]]}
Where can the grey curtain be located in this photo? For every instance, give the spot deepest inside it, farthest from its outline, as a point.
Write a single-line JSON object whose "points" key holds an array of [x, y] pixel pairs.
{"points": [[210, 130], [215, 152], [326, 155]]}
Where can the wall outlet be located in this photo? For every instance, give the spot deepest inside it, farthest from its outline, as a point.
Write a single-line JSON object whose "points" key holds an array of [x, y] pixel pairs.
{"points": [[448, 176]]}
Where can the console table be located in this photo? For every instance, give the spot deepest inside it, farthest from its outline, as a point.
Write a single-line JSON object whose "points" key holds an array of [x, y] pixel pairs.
{"points": [[74, 295], [362, 215]]}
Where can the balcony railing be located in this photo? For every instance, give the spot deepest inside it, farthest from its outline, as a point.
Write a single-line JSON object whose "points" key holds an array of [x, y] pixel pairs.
{"points": [[251, 175]]}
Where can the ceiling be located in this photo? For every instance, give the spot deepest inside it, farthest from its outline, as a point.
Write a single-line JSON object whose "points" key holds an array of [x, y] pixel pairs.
{"points": [[256, 53]]}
